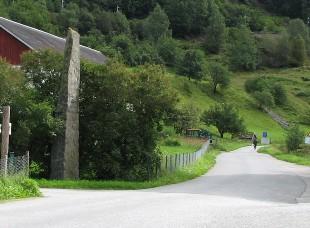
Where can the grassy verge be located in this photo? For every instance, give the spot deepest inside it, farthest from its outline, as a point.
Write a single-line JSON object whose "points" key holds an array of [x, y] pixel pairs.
{"points": [[228, 145], [279, 153], [190, 172], [18, 188], [186, 145]]}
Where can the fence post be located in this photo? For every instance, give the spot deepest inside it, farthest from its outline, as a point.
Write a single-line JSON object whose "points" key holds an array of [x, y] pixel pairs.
{"points": [[175, 160], [27, 163], [5, 138]]}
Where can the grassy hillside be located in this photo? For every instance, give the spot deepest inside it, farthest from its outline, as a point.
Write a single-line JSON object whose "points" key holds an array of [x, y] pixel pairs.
{"points": [[199, 94]]}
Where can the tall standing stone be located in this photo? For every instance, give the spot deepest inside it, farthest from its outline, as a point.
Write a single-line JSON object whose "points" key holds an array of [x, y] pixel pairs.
{"points": [[65, 150]]}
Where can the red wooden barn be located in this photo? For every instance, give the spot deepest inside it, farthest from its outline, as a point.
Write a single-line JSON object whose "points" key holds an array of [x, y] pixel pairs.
{"points": [[16, 38]]}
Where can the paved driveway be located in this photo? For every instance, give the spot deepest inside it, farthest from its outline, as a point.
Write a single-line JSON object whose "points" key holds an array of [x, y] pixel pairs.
{"points": [[244, 189]]}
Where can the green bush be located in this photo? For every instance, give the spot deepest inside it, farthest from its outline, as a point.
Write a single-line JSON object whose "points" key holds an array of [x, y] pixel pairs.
{"points": [[156, 24], [35, 169], [304, 149], [279, 94], [294, 138], [172, 142], [18, 187], [215, 33], [298, 53], [241, 50], [303, 94], [225, 118], [305, 118], [263, 99], [305, 79], [169, 51], [192, 64], [256, 84], [274, 49]]}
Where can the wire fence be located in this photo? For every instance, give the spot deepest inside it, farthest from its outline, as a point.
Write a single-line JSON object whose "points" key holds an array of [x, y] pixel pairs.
{"points": [[15, 165], [170, 163]]}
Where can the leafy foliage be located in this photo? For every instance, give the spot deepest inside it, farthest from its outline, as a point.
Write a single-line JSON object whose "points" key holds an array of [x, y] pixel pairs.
{"points": [[17, 188], [187, 16], [225, 118], [263, 99], [298, 52], [216, 30], [192, 64], [157, 24], [242, 51], [186, 117], [219, 76], [121, 114], [294, 138], [279, 94], [265, 92]]}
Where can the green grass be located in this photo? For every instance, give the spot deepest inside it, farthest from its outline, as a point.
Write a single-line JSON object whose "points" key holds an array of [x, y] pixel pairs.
{"points": [[279, 153], [187, 145], [199, 168], [199, 94], [166, 150], [228, 145], [190, 172], [18, 188]]}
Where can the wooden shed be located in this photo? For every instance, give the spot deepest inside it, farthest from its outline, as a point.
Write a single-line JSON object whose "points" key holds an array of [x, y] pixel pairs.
{"points": [[16, 38]]}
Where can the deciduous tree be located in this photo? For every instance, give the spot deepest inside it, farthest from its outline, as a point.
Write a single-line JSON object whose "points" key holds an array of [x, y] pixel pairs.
{"points": [[225, 118]]}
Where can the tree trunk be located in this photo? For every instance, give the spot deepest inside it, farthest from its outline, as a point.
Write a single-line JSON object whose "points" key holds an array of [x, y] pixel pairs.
{"points": [[214, 88]]}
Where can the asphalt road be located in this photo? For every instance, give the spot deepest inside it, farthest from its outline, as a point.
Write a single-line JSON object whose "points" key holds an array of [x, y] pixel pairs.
{"points": [[244, 189]]}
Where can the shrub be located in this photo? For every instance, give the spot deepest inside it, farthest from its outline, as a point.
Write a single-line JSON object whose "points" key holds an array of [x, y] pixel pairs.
{"points": [[304, 149], [305, 119], [172, 142], [274, 49], [241, 50], [192, 64], [169, 51], [35, 169], [305, 79], [186, 117], [144, 53], [219, 76], [156, 24], [303, 94], [294, 138], [18, 187], [298, 53], [225, 118], [256, 84], [263, 99], [297, 28], [216, 30], [279, 94]]}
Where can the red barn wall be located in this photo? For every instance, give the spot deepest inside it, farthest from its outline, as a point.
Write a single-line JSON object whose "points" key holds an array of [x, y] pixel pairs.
{"points": [[11, 49]]}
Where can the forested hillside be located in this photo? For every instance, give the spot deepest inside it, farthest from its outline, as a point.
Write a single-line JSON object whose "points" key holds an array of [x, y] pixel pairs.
{"points": [[173, 64]]}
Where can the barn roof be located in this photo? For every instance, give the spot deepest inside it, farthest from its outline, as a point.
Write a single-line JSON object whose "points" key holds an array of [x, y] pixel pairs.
{"points": [[36, 39]]}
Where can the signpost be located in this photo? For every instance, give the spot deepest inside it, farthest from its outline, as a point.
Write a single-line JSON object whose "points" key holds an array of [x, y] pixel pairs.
{"points": [[265, 140], [307, 139]]}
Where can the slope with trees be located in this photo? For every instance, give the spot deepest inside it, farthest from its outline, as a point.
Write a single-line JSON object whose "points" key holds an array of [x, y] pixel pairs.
{"points": [[223, 47]]}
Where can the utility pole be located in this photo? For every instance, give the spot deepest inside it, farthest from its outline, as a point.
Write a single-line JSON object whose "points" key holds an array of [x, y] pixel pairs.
{"points": [[62, 4], [5, 138]]}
